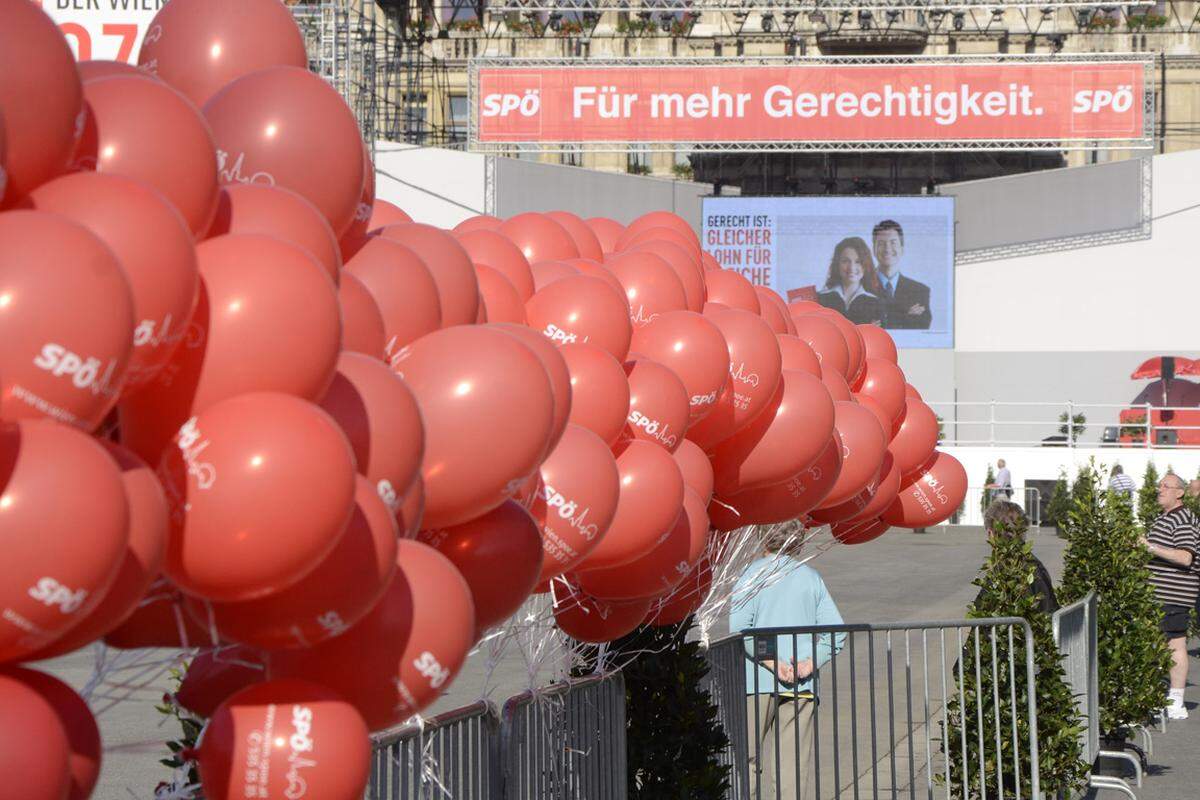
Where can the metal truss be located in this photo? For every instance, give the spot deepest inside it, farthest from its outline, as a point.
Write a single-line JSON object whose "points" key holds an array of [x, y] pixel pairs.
{"points": [[801, 6], [1136, 233], [1144, 142]]}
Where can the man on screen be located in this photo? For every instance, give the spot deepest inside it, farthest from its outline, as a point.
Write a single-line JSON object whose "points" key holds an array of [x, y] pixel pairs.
{"points": [[905, 301]]}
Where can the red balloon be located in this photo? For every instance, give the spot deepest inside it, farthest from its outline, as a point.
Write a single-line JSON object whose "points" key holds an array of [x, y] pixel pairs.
{"points": [[279, 212], [479, 222], [159, 621], [731, 289], [863, 446], [696, 468], [915, 439], [911, 391], [695, 349], [146, 130], [582, 309], [576, 501], [35, 751], [83, 736], [872, 405], [267, 124], [268, 319], [356, 235], [587, 619], [500, 300], [826, 340], [467, 380], [406, 652], [788, 500], [855, 349], [930, 498], [798, 308], [783, 440], [327, 601], [883, 382], [62, 485], [878, 343], [547, 272], [661, 569], [155, 250], [651, 286], [608, 232], [489, 248], [658, 219], [708, 263], [755, 365], [651, 494], [539, 237], [658, 405], [285, 738], [450, 266], [100, 68], [140, 564], [411, 510], [215, 675], [599, 390], [685, 599], [384, 213], [362, 321], [41, 98], [261, 487], [835, 383], [868, 504], [774, 310], [685, 241], [584, 238], [403, 288], [66, 334], [595, 269], [199, 46], [506, 535], [681, 263], [859, 532], [556, 370], [799, 356], [380, 417]]}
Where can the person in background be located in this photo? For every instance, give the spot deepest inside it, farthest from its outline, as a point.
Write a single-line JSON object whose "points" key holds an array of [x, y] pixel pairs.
{"points": [[905, 301], [1121, 483], [1173, 540], [1003, 485], [779, 669], [1005, 518], [851, 272]]}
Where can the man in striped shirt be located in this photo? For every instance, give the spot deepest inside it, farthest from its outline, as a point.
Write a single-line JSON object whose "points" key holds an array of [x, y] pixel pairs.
{"points": [[1173, 541], [1121, 483]]}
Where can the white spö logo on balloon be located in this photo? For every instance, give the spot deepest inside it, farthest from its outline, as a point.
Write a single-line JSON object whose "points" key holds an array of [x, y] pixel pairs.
{"points": [[387, 493], [704, 399], [741, 374], [51, 593], [301, 742], [191, 447], [653, 428], [640, 317], [429, 668], [566, 510], [558, 335], [233, 172], [83, 372]]}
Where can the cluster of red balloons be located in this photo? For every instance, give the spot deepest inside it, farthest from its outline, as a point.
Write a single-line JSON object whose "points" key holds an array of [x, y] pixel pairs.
{"points": [[245, 403]]}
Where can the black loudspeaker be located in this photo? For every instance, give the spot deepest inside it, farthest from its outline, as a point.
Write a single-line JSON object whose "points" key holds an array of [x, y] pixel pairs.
{"points": [[1168, 368], [1166, 437]]}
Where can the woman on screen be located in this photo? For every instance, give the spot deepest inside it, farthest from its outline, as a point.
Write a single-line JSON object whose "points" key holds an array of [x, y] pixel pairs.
{"points": [[851, 272]]}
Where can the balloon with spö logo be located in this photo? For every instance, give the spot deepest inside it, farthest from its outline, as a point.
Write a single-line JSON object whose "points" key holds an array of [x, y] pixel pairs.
{"points": [[872, 501], [863, 446], [682, 264], [362, 321], [488, 409], [199, 46], [500, 557], [695, 349], [584, 238], [685, 599], [582, 309], [608, 232], [35, 753], [141, 563], [448, 263], [261, 487], [729, 288], [339, 592], [271, 124], [146, 130], [377, 411], [556, 370], [154, 247], [599, 390], [932, 497], [287, 739], [651, 286], [40, 95], [66, 334], [579, 491], [538, 237], [355, 236], [406, 652], [492, 249], [658, 405], [784, 501], [403, 288], [64, 532]]}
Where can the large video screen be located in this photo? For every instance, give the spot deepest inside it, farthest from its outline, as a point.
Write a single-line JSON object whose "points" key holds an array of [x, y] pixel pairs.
{"points": [[886, 261]]}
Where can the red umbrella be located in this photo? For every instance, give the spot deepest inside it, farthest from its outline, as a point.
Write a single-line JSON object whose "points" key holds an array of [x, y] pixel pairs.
{"points": [[1152, 367]]}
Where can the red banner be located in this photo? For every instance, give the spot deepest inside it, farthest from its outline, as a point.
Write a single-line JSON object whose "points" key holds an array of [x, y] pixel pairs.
{"points": [[1003, 101]]}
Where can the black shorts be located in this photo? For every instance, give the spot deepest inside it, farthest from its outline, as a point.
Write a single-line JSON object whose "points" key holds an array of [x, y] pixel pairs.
{"points": [[1175, 620]]}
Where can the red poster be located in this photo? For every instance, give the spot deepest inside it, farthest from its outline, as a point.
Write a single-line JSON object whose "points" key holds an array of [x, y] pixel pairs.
{"points": [[987, 100]]}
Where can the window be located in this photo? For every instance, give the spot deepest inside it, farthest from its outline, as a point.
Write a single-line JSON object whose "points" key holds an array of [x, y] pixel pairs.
{"points": [[460, 113], [572, 155], [638, 160]]}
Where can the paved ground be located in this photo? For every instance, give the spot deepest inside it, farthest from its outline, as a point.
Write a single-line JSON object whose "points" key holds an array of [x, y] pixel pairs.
{"points": [[900, 577]]}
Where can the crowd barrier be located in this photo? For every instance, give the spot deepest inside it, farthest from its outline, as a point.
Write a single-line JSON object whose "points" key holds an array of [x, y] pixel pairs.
{"points": [[565, 742], [887, 720]]}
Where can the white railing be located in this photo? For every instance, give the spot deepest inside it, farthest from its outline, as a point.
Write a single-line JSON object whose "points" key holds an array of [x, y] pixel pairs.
{"points": [[1040, 424]]}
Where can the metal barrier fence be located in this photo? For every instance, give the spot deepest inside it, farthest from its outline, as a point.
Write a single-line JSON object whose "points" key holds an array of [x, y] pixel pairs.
{"points": [[1039, 424], [566, 742], [887, 717], [1075, 634], [452, 755]]}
